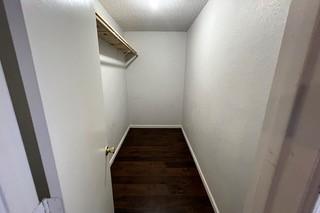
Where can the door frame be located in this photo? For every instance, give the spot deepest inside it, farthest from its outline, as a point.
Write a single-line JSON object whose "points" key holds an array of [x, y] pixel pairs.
{"points": [[302, 19], [19, 71], [313, 191]]}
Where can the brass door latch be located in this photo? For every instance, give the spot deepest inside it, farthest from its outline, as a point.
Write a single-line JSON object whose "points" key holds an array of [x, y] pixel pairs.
{"points": [[109, 150]]}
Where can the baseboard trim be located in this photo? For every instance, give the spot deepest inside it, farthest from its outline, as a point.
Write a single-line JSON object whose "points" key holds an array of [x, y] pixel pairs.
{"points": [[173, 126], [206, 186], [119, 146]]}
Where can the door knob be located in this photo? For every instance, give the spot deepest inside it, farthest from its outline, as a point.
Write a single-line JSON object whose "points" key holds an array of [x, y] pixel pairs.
{"points": [[109, 149]]}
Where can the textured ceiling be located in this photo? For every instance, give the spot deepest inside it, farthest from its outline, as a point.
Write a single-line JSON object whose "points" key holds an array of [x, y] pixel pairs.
{"points": [[154, 15]]}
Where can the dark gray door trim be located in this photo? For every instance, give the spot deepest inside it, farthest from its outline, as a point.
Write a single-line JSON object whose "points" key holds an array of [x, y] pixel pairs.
{"points": [[19, 100]]}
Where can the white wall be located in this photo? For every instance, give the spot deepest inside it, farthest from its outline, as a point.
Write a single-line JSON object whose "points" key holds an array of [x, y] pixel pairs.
{"points": [[64, 45], [232, 52], [155, 79]]}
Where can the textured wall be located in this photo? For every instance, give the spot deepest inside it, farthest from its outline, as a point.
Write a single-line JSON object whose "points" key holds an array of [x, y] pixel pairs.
{"points": [[155, 79], [232, 52]]}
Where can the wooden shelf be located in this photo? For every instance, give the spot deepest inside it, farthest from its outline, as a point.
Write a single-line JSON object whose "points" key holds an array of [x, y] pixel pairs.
{"points": [[109, 35]]}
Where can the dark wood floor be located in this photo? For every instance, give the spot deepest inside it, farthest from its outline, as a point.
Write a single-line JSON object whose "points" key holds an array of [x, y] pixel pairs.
{"points": [[154, 173]]}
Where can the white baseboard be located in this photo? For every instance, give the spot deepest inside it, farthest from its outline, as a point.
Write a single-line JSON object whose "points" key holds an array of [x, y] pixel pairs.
{"points": [[206, 186], [119, 146], [173, 126]]}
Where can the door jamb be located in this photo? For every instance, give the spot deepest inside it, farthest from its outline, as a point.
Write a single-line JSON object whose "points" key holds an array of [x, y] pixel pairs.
{"points": [[19, 70]]}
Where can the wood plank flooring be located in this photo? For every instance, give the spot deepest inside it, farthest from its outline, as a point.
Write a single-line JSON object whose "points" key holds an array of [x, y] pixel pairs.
{"points": [[154, 173]]}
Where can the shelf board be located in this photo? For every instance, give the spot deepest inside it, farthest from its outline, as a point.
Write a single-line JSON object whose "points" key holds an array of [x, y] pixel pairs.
{"points": [[109, 35]]}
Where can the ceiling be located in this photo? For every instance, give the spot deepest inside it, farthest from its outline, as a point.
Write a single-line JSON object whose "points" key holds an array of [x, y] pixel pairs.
{"points": [[154, 15]]}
